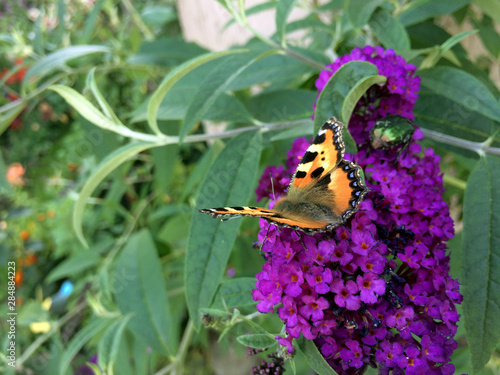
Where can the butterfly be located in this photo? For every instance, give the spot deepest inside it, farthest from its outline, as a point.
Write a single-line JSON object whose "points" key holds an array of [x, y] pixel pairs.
{"points": [[324, 192]]}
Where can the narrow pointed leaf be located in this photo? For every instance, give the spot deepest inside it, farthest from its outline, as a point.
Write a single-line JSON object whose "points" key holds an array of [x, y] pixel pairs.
{"points": [[215, 84], [172, 78], [229, 182], [105, 107], [481, 260], [83, 336], [257, 340], [283, 10], [104, 169], [463, 88], [70, 267], [389, 30], [360, 11], [11, 111], [58, 60], [455, 39], [314, 357], [139, 289], [421, 10], [109, 344], [490, 7], [86, 109]]}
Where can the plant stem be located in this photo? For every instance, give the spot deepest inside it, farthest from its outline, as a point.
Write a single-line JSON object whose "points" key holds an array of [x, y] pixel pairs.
{"points": [[461, 184], [174, 367], [137, 20], [186, 340], [166, 140], [479, 147]]}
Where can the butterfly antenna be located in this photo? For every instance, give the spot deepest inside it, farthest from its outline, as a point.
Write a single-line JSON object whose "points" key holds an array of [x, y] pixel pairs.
{"points": [[272, 186]]}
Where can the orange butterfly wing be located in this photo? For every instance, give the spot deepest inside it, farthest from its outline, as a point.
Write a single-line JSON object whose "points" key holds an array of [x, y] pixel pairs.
{"points": [[325, 189], [226, 213], [324, 153]]}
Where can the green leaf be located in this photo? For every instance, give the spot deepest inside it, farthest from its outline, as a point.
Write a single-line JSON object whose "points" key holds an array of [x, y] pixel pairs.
{"points": [[198, 174], [108, 346], [341, 93], [417, 11], [455, 39], [314, 357], [105, 107], [389, 30], [451, 118], [490, 7], [214, 84], [252, 10], [257, 340], [462, 88], [283, 10], [139, 289], [5, 187], [107, 166], [176, 103], [9, 112], [158, 16], [166, 52], [91, 21], [172, 78], [357, 92], [86, 109], [234, 293], [488, 35], [88, 331], [282, 105], [73, 265], [58, 60], [272, 69], [229, 182], [481, 260], [38, 39], [359, 12], [331, 100]]}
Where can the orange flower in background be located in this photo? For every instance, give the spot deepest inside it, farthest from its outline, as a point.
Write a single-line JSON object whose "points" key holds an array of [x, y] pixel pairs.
{"points": [[15, 174], [17, 76], [24, 235], [19, 277], [28, 260], [51, 213]]}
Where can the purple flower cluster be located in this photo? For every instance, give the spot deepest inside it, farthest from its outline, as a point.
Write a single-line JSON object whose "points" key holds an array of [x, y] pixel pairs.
{"points": [[275, 365], [376, 291]]}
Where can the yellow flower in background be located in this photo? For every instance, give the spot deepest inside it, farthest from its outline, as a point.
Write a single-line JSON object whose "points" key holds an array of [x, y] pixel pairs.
{"points": [[40, 327], [47, 303]]}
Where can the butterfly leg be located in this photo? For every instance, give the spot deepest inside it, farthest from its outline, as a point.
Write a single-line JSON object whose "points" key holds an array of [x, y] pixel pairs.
{"points": [[301, 240], [265, 238]]}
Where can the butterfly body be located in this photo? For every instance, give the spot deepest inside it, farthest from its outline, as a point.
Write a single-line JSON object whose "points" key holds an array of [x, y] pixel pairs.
{"points": [[324, 192]]}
